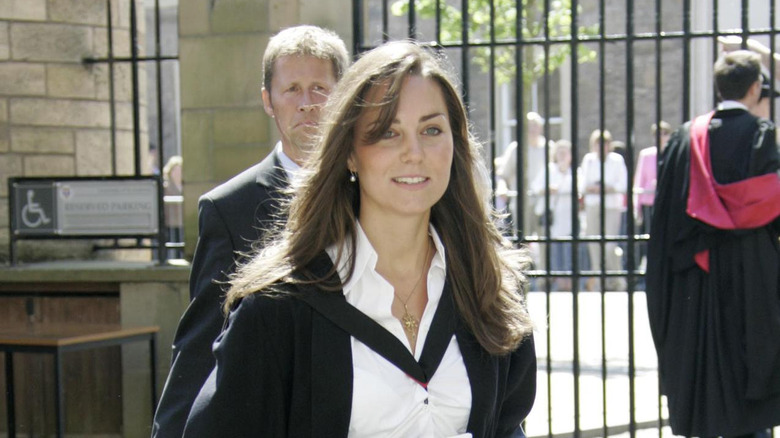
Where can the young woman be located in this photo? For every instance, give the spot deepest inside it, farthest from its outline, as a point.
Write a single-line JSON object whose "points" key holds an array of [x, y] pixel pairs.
{"points": [[560, 207], [389, 305]]}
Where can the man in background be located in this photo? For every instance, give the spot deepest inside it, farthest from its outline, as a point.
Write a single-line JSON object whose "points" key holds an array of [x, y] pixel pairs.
{"points": [[301, 66], [713, 274], [506, 172]]}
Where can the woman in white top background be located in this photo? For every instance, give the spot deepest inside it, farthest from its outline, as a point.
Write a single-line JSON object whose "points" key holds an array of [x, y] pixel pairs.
{"points": [[615, 183], [389, 305], [560, 205]]}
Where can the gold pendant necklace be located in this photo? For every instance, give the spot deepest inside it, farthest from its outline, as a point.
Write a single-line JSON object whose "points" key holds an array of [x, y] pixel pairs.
{"points": [[410, 324], [408, 321]]}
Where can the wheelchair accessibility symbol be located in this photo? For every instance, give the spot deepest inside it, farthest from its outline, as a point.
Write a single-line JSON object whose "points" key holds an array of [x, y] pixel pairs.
{"points": [[33, 215]]}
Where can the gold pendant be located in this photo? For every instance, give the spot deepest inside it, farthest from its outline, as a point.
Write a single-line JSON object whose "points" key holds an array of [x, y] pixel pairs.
{"points": [[410, 323]]}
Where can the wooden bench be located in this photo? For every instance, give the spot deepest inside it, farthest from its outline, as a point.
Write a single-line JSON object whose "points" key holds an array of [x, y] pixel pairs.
{"points": [[57, 339]]}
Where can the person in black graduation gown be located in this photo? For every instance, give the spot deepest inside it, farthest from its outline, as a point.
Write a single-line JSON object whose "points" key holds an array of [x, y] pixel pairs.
{"points": [[301, 65], [713, 274], [332, 330]]}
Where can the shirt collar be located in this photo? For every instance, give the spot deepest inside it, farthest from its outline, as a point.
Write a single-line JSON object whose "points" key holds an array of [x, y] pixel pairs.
{"points": [[290, 167], [731, 104], [366, 257]]}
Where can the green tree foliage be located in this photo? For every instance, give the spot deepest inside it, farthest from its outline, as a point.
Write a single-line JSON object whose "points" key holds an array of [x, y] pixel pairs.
{"points": [[504, 19]]}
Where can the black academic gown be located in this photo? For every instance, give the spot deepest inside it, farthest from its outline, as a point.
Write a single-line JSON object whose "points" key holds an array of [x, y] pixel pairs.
{"points": [[717, 334], [284, 368], [231, 217]]}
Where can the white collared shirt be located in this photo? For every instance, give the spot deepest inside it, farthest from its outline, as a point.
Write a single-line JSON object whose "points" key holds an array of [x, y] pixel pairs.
{"points": [[614, 178], [385, 401], [731, 104], [290, 167]]}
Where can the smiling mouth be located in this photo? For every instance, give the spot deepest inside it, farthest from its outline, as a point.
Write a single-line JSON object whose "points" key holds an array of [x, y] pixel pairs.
{"points": [[410, 179]]}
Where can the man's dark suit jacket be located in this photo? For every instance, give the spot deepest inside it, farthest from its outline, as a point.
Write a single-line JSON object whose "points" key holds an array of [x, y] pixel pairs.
{"points": [[231, 217]]}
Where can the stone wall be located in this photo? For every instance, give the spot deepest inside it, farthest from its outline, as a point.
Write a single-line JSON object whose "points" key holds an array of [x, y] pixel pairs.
{"points": [[55, 108]]}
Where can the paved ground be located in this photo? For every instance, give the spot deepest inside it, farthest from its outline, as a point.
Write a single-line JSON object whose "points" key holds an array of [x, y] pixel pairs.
{"points": [[614, 355], [603, 351]]}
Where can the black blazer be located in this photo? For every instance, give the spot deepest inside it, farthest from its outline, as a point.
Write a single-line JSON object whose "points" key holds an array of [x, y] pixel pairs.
{"points": [[231, 217], [284, 368]]}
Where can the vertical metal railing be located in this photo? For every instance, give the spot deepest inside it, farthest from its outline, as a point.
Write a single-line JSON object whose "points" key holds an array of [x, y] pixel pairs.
{"points": [[652, 43], [134, 61]]}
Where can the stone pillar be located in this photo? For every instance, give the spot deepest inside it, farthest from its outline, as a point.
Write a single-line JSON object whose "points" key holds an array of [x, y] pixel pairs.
{"points": [[54, 108], [221, 44]]}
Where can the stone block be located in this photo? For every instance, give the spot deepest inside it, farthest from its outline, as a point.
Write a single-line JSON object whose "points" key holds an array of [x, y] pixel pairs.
{"points": [[22, 79], [124, 115], [125, 153], [4, 249], [102, 90], [196, 140], [204, 62], [159, 304], [231, 160], [4, 141], [93, 152], [123, 85], [5, 47], [283, 13], [23, 10], [42, 140], [123, 82], [236, 16], [120, 42], [31, 251], [60, 113], [4, 214], [49, 165], [194, 17], [71, 80], [121, 12], [329, 14], [235, 127], [50, 42], [78, 12], [10, 165]]}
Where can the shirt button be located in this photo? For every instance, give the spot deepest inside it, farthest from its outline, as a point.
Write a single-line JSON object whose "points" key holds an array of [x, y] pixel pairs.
{"points": [[425, 401]]}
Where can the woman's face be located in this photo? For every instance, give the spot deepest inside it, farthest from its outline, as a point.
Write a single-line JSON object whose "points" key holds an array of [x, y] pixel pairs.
{"points": [[407, 171], [563, 157]]}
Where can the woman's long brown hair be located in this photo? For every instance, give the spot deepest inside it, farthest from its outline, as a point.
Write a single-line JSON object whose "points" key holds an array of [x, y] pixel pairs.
{"points": [[484, 272]]}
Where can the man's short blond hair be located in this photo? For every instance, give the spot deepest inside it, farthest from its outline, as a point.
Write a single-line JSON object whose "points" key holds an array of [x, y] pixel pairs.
{"points": [[305, 41]]}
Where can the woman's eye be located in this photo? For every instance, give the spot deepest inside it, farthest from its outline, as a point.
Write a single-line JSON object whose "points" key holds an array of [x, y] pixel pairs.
{"points": [[432, 131], [388, 134]]}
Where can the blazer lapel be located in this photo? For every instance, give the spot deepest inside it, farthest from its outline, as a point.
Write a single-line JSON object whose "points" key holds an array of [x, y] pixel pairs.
{"points": [[335, 308], [270, 172], [334, 320], [272, 184], [440, 333]]}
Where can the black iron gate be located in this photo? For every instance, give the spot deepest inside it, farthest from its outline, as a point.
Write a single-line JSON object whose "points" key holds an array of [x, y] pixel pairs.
{"points": [[635, 69], [151, 59]]}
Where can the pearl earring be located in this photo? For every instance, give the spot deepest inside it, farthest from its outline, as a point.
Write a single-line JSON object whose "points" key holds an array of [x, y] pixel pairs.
{"points": [[352, 176]]}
